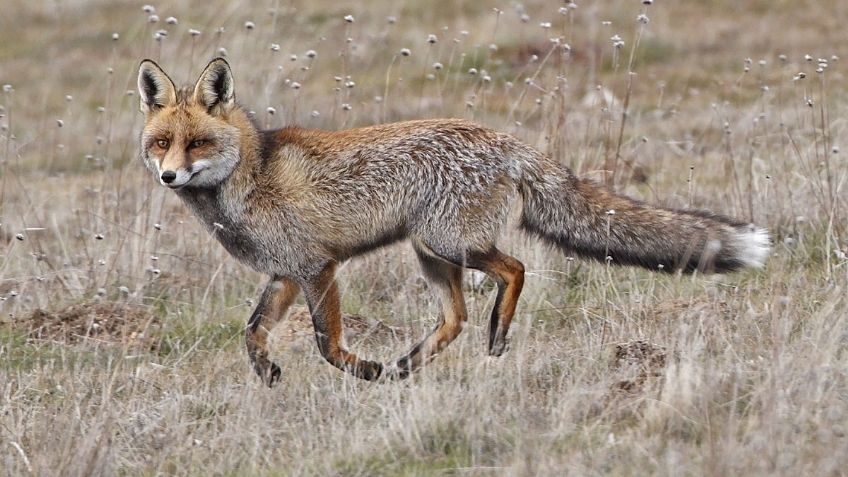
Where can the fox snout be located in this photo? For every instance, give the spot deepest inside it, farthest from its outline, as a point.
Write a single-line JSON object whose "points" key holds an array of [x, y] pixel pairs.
{"points": [[180, 176], [168, 177], [174, 179], [174, 171]]}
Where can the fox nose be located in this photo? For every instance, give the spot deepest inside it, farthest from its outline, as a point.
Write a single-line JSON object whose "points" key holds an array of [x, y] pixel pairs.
{"points": [[168, 176]]}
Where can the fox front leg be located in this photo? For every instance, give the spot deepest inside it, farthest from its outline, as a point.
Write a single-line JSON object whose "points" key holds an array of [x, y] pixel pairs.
{"points": [[275, 301], [322, 296]]}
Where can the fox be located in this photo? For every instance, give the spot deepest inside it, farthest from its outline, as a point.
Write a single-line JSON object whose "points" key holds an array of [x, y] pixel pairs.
{"points": [[294, 203]]}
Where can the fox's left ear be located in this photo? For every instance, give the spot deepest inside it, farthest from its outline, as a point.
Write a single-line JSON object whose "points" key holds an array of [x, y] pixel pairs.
{"points": [[214, 88]]}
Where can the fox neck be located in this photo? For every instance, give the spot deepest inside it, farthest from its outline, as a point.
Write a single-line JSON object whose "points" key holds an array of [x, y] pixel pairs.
{"points": [[226, 203]]}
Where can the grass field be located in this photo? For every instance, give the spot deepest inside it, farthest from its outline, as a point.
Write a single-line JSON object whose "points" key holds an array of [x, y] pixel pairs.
{"points": [[121, 320]]}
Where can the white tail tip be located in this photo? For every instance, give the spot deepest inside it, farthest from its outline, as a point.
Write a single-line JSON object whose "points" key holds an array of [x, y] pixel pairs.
{"points": [[754, 246]]}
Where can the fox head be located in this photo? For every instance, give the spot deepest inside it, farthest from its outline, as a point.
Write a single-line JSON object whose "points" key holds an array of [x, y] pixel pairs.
{"points": [[189, 139]]}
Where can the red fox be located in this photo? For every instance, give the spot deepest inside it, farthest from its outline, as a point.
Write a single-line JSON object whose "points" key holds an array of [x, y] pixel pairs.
{"points": [[293, 203]]}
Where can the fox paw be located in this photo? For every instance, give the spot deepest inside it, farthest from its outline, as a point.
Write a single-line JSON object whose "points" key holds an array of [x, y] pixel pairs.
{"points": [[273, 375], [269, 372], [498, 348]]}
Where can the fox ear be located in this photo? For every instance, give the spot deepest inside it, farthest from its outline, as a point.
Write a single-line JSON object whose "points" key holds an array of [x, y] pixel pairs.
{"points": [[155, 88], [214, 88]]}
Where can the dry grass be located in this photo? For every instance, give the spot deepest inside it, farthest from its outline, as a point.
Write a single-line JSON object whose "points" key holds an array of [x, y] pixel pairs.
{"points": [[611, 371]]}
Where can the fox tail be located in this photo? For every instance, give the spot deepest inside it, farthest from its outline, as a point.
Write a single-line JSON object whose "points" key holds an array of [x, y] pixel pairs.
{"points": [[588, 220]]}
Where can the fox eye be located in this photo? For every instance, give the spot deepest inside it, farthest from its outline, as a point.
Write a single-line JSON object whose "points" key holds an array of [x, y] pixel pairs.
{"points": [[198, 143], [162, 143]]}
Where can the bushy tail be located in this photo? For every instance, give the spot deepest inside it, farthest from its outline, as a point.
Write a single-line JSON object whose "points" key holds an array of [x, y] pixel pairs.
{"points": [[588, 220]]}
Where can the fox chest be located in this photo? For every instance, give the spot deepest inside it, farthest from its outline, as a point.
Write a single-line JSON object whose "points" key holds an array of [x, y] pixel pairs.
{"points": [[232, 230], [262, 242]]}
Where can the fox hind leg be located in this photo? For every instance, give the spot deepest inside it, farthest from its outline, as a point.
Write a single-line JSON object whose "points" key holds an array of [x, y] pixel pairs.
{"points": [[508, 273], [273, 304], [447, 277]]}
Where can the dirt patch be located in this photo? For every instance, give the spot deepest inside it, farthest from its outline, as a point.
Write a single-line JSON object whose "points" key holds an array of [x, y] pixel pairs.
{"points": [[107, 322], [357, 329], [637, 362], [137, 327]]}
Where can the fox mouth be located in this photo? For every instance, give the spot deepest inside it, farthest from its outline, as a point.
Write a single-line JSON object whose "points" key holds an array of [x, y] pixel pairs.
{"points": [[176, 185]]}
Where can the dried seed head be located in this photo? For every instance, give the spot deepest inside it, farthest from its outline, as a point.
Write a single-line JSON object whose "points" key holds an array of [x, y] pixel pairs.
{"points": [[617, 42], [148, 9], [153, 19], [222, 51], [271, 110], [432, 39], [275, 47], [295, 85], [311, 54], [193, 32], [348, 18], [115, 37], [171, 20], [405, 52], [249, 25]]}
